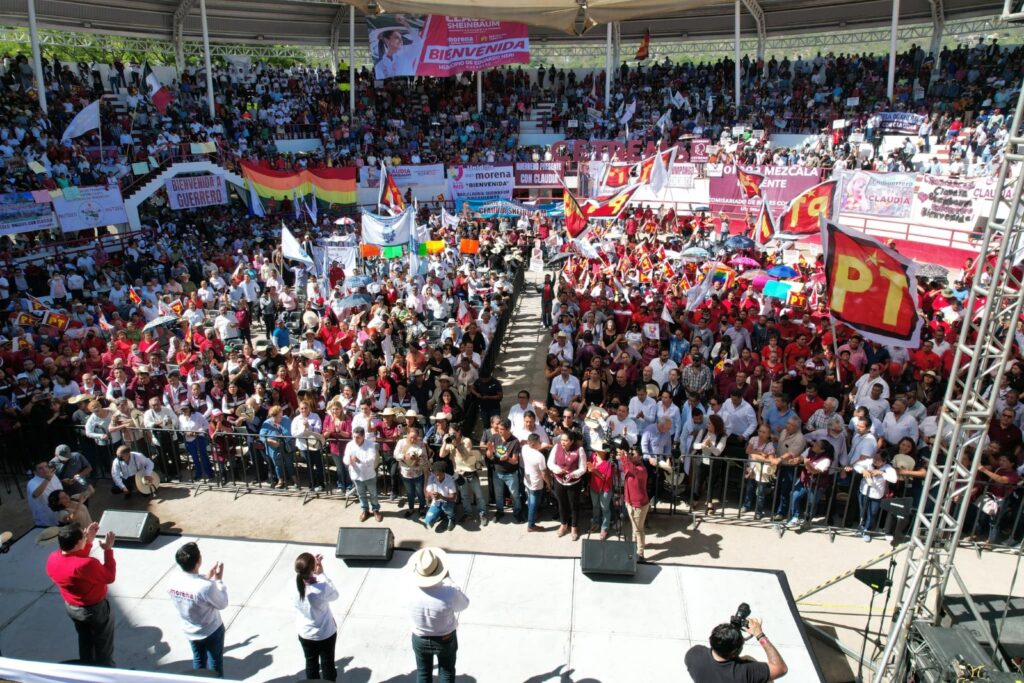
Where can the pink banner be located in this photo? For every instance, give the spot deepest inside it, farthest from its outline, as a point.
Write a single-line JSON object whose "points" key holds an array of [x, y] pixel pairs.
{"points": [[781, 184], [435, 45]]}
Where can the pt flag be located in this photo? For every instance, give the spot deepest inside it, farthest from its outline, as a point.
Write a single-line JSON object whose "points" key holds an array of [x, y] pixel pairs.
{"points": [[609, 207], [750, 182], [870, 287], [575, 219], [804, 213], [390, 196], [644, 51], [764, 228]]}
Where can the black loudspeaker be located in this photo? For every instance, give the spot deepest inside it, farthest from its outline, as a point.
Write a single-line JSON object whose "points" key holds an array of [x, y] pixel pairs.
{"points": [[608, 557], [365, 544], [130, 526]]}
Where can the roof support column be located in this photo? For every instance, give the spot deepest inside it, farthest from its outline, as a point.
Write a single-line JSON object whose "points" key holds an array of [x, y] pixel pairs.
{"points": [[178, 33], [37, 59], [609, 66], [893, 31], [336, 24], [736, 59], [206, 59], [762, 34], [938, 28], [352, 63]]}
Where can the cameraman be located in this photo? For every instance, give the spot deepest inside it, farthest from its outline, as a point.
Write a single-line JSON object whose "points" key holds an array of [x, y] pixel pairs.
{"points": [[721, 663]]}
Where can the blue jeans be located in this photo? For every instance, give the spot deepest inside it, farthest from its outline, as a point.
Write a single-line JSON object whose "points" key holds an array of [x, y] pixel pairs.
{"points": [[784, 484], [208, 653], [984, 524], [281, 461], [435, 510], [425, 649], [812, 494], [533, 501], [200, 460], [602, 503], [470, 491], [755, 490], [511, 481], [414, 489], [367, 489], [868, 511]]}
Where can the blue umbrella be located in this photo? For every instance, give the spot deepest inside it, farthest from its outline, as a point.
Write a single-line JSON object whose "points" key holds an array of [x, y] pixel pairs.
{"points": [[357, 281], [782, 272], [353, 300], [739, 242]]}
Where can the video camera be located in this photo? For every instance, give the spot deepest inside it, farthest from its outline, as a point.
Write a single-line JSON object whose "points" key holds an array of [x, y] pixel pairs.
{"points": [[739, 620]]}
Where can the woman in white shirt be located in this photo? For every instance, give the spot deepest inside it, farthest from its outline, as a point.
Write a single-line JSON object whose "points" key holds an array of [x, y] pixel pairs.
{"points": [[710, 444], [318, 632]]}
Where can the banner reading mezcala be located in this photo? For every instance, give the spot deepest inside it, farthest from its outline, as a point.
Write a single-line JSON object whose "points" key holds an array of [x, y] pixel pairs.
{"points": [[435, 45]]}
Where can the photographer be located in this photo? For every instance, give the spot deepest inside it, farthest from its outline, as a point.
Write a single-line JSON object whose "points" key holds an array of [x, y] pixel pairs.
{"points": [[721, 663]]}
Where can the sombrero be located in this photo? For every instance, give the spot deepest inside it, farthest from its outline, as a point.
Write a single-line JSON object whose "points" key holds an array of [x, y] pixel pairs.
{"points": [[48, 534], [143, 487]]}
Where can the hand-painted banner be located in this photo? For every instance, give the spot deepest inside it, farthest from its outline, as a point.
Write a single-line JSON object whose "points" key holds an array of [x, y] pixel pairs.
{"points": [[899, 123], [194, 191], [405, 176], [89, 207], [781, 185], [481, 182], [944, 202], [870, 287], [20, 212], [875, 194], [435, 45]]}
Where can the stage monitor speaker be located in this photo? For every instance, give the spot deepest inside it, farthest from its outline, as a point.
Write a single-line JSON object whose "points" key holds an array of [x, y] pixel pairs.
{"points": [[130, 526], [365, 544], [608, 557]]}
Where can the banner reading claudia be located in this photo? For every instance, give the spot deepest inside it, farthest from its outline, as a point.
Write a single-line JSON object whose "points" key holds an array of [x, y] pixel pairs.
{"points": [[781, 185], [875, 194], [435, 45], [870, 287]]}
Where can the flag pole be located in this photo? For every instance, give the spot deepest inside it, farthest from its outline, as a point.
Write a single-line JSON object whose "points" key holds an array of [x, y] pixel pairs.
{"points": [[835, 345]]}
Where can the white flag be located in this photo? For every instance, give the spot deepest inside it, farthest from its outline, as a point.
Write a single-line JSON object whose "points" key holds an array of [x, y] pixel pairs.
{"points": [[290, 247], [696, 296], [587, 249], [84, 121], [664, 121], [677, 100], [659, 174], [666, 316], [387, 231], [627, 115], [255, 204], [448, 220]]}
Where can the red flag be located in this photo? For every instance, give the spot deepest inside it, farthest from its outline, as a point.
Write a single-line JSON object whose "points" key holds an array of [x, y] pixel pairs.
{"points": [[764, 227], [804, 213], [616, 175], [177, 307], [468, 246], [646, 166], [645, 267], [750, 182], [575, 219], [390, 195], [133, 296], [464, 315], [644, 50], [26, 320], [609, 207], [58, 320], [104, 323], [870, 287]]}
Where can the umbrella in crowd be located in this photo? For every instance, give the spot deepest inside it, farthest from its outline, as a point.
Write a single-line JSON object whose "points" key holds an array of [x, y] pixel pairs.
{"points": [[782, 272], [559, 258], [743, 261], [162, 321], [357, 281], [754, 273], [344, 220], [739, 242], [930, 271], [353, 300], [699, 209], [696, 253]]}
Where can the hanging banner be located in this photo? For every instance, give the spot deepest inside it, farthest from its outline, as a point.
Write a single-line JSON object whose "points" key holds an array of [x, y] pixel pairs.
{"points": [[538, 174], [944, 202], [89, 207], [191, 192], [20, 212], [387, 231], [331, 185], [682, 175], [699, 153], [481, 182], [405, 176], [875, 194], [781, 185], [435, 45], [501, 207], [899, 123]]}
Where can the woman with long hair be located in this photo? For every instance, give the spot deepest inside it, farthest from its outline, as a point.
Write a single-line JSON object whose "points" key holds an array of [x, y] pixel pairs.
{"points": [[318, 632]]}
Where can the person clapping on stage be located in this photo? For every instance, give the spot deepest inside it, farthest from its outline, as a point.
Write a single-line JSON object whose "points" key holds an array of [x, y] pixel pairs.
{"points": [[318, 631]]}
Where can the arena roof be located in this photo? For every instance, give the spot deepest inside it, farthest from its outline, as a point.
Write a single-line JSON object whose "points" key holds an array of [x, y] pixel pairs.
{"points": [[309, 22]]}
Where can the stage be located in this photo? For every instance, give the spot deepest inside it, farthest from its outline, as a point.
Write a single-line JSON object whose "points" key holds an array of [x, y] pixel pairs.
{"points": [[530, 619]]}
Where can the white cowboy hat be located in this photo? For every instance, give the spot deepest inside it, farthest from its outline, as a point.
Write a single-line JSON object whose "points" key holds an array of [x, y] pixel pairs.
{"points": [[48, 534], [143, 487], [428, 566]]}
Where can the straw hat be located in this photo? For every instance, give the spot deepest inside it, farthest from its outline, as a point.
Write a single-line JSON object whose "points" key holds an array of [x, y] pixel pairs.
{"points": [[143, 487], [48, 534], [428, 566]]}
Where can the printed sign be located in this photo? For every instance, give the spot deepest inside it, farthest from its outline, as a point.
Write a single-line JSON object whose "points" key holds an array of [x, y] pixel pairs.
{"points": [[899, 123], [192, 192], [435, 45], [90, 207], [420, 175], [780, 185], [481, 182], [699, 152], [682, 175], [19, 212], [875, 194], [538, 174]]}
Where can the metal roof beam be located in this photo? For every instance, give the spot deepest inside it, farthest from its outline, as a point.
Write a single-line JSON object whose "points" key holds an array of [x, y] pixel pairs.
{"points": [[754, 7], [938, 25], [336, 25], [178, 32]]}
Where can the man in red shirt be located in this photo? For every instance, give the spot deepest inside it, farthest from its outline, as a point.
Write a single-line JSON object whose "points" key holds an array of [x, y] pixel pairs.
{"points": [[83, 582]]}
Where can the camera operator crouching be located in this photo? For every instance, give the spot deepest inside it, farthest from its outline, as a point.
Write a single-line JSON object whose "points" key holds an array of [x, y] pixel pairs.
{"points": [[722, 663]]}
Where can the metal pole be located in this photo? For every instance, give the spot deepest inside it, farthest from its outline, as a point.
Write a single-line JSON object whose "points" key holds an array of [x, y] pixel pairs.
{"points": [[736, 41], [37, 59], [479, 92], [608, 66], [206, 58], [891, 83], [352, 62]]}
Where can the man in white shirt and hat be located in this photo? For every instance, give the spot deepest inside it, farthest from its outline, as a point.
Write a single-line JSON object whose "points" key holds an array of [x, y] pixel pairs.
{"points": [[435, 602]]}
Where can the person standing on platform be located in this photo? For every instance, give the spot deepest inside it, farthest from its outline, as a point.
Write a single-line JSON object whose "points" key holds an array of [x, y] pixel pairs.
{"points": [[434, 605], [318, 632], [82, 581], [199, 600], [634, 486]]}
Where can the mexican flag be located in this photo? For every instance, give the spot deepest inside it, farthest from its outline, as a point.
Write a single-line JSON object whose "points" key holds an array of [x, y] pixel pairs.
{"points": [[159, 94]]}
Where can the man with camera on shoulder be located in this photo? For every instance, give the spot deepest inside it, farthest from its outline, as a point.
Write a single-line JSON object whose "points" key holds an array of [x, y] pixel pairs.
{"points": [[722, 663]]}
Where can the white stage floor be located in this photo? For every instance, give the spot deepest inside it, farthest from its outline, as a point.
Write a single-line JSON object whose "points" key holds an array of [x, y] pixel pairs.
{"points": [[530, 619]]}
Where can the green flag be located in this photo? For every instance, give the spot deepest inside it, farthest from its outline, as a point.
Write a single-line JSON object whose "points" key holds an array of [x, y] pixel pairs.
{"points": [[391, 252]]}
